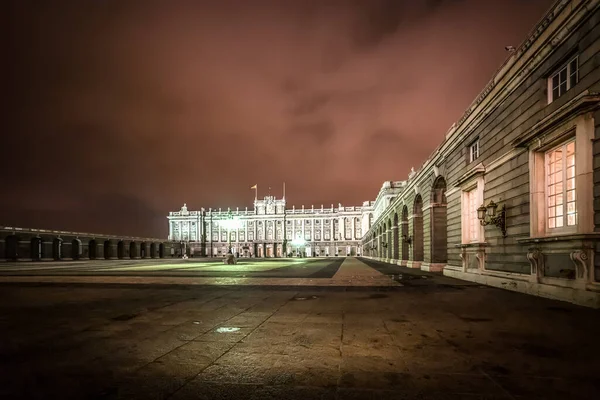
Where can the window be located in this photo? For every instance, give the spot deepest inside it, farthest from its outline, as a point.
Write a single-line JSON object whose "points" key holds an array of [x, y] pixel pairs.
{"points": [[471, 200], [473, 222], [563, 80], [561, 178], [474, 151], [560, 186]]}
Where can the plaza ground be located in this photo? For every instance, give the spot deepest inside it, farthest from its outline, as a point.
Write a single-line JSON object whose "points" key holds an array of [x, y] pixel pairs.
{"points": [[339, 328]]}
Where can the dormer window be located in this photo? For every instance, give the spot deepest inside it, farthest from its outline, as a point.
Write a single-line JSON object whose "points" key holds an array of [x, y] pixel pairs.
{"points": [[563, 80]]}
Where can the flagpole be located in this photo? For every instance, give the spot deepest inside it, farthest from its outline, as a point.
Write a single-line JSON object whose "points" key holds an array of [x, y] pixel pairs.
{"points": [[283, 190], [256, 192]]}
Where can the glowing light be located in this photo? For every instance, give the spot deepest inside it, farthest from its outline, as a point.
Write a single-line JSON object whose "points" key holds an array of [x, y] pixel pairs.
{"points": [[298, 242], [231, 223]]}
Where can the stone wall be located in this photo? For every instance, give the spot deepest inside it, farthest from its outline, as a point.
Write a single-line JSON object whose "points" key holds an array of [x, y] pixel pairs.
{"points": [[19, 244], [515, 124]]}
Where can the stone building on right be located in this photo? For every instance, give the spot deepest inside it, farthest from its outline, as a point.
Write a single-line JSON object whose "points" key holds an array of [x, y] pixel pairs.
{"points": [[511, 198]]}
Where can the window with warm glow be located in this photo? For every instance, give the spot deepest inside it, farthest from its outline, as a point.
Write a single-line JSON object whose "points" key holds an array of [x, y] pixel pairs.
{"points": [[560, 186], [473, 222]]}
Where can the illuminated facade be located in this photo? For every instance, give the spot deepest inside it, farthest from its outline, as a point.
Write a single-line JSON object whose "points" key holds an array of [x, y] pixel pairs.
{"points": [[511, 196], [270, 228]]}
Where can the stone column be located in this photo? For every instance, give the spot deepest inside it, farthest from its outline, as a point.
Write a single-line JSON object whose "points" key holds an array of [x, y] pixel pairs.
{"points": [[303, 227], [331, 237], [395, 245]]}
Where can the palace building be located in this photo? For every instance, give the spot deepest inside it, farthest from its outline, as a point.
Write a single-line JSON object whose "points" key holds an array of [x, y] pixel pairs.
{"points": [[271, 230], [511, 197]]}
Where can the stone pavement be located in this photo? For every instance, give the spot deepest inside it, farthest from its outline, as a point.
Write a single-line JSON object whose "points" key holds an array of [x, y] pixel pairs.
{"points": [[349, 272], [429, 338]]}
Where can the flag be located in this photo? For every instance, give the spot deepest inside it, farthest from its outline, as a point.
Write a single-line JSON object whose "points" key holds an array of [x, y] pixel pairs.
{"points": [[254, 187]]}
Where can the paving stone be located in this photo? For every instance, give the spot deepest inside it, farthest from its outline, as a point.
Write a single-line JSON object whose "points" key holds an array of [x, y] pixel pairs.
{"points": [[108, 341]]}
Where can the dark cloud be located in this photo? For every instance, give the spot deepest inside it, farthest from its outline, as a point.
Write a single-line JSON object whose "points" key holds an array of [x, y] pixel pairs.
{"points": [[310, 104], [318, 132], [121, 111]]}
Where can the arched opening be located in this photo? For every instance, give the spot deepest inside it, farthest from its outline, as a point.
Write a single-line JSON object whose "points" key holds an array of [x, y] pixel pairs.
{"points": [[153, 250], [380, 240], [93, 246], [396, 242], [418, 229], [133, 250], [107, 249], [405, 241], [120, 249], [439, 220], [57, 248], [11, 249], [383, 241], [76, 249], [143, 247], [161, 250], [36, 248], [390, 248]]}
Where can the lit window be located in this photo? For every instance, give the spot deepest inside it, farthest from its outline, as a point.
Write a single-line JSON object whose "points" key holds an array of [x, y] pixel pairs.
{"points": [[560, 186], [563, 80], [473, 222]]}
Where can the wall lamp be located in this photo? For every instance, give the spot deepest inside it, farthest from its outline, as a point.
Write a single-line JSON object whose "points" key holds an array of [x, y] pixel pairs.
{"points": [[493, 217], [407, 239]]}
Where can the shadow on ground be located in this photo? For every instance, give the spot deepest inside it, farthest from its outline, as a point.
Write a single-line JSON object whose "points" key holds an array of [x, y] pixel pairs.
{"points": [[104, 342]]}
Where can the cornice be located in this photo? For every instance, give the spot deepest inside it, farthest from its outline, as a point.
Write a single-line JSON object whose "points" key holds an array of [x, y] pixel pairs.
{"points": [[508, 78], [474, 172], [584, 102], [526, 59]]}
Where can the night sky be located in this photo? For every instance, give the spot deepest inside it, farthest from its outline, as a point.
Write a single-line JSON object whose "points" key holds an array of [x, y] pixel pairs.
{"points": [[120, 111]]}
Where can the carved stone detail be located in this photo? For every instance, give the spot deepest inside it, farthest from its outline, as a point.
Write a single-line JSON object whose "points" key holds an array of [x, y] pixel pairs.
{"points": [[580, 259], [536, 260], [480, 255]]}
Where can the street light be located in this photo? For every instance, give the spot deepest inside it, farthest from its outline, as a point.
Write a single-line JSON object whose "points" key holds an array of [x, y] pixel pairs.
{"points": [[487, 215], [298, 242]]}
